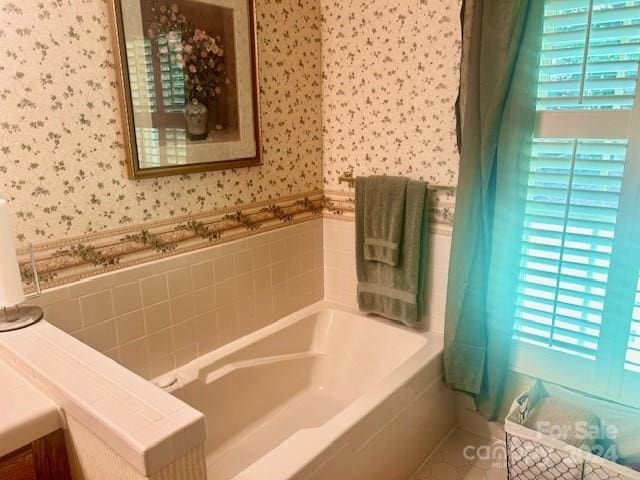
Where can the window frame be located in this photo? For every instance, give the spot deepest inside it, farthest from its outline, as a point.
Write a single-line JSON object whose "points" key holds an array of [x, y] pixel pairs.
{"points": [[578, 372]]}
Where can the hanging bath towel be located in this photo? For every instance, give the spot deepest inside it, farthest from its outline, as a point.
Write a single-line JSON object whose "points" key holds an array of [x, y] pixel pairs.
{"points": [[395, 292]]}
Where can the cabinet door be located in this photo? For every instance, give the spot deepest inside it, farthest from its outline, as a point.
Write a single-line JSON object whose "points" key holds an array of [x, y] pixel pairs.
{"points": [[18, 465], [43, 459], [50, 459]]}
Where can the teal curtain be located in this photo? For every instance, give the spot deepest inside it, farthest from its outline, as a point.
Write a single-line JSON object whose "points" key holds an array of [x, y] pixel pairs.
{"points": [[501, 45]]}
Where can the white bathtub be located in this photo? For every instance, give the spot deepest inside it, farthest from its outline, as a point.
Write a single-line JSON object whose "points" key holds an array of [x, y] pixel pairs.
{"points": [[324, 393]]}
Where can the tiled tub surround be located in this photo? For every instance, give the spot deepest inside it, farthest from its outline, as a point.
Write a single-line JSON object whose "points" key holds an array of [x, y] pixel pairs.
{"points": [[340, 281], [145, 428], [155, 317]]}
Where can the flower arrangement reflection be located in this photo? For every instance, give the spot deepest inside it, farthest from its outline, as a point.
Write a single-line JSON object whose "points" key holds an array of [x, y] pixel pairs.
{"points": [[199, 55]]}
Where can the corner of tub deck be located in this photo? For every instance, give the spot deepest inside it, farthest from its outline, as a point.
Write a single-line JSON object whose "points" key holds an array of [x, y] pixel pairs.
{"points": [[146, 426]]}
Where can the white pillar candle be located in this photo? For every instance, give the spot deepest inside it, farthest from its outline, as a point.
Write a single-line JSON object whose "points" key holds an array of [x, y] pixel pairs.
{"points": [[11, 291]]}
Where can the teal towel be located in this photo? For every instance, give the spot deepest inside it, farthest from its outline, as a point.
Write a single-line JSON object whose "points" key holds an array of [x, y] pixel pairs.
{"points": [[395, 292], [384, 218]]}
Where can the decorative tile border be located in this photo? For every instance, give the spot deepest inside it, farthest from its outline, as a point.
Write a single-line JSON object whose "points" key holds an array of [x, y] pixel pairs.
{"points": [[74, 259]]}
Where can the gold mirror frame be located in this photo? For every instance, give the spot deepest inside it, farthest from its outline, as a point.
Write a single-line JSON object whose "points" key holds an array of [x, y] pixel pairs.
{"points": [[134, 172]]}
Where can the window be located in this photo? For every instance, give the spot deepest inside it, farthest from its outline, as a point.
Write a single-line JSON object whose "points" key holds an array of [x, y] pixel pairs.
{"points": [[578, 272], [157, 87], [632, 358], [171, 71], [572, 200], [143, 90], [157, 150]]}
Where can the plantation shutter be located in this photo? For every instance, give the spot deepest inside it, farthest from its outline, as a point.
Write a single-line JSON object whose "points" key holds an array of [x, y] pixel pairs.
{"points": [[581, 152], [141, 80], [632, 358], [156, 78], [590, 55], [570, 219], [171, 71]]}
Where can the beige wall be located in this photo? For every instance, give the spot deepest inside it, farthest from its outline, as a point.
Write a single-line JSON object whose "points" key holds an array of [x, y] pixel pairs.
{"points": [[61, 144], [390, 80]]}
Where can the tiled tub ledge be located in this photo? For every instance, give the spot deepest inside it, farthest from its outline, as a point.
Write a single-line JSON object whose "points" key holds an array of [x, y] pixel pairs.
{"points": [[146, 426]]}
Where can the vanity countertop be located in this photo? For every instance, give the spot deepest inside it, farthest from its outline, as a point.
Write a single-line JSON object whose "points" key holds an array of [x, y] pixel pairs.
{"points": [[25, 413]]}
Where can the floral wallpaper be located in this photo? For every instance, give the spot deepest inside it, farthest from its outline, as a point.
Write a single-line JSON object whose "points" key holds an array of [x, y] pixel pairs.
{"points": [[366, 86], [390, 82], [61, 144]]}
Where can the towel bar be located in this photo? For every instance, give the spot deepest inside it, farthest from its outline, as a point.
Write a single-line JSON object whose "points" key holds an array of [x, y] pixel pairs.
{"points": [[348, 178]]}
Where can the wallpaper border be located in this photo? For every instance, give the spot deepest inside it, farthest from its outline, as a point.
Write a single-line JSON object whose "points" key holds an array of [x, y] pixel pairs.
{"points": [[65, 261], [441, 208]]}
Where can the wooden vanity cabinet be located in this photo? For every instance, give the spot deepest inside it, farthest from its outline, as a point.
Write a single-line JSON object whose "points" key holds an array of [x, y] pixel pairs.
{"points": [[42, 459]]}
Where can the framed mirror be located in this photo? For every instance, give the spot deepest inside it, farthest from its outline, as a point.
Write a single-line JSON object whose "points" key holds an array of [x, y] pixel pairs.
{"points": [[188, 85]]}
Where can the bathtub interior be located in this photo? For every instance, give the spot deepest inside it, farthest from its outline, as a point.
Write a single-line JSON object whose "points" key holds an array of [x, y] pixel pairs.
{"points": [[297, 377]]}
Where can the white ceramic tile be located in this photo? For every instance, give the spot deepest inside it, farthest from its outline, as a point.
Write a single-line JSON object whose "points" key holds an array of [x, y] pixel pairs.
{"points": [[96, 307], [172, 263], [51, 296], [226, 291], [130, 327], [159, 433], [278, 251], [202, 274], [182, 308], [154, 289], [91, 285], [102, 336], [184, 335], [191, 424], [143, 409], [157, 317], [243, 262], [65, 314], [160, 344], [204, 300], [261, 256], [127, 297], [179, 281], [134, 354], [224, 268], [339, 269], [245, 285], [118, 415], [133, 273]]}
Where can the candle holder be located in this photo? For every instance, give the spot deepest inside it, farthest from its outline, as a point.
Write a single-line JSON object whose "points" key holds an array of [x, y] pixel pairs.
{"points": [[15, 318], [22, 316]]}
